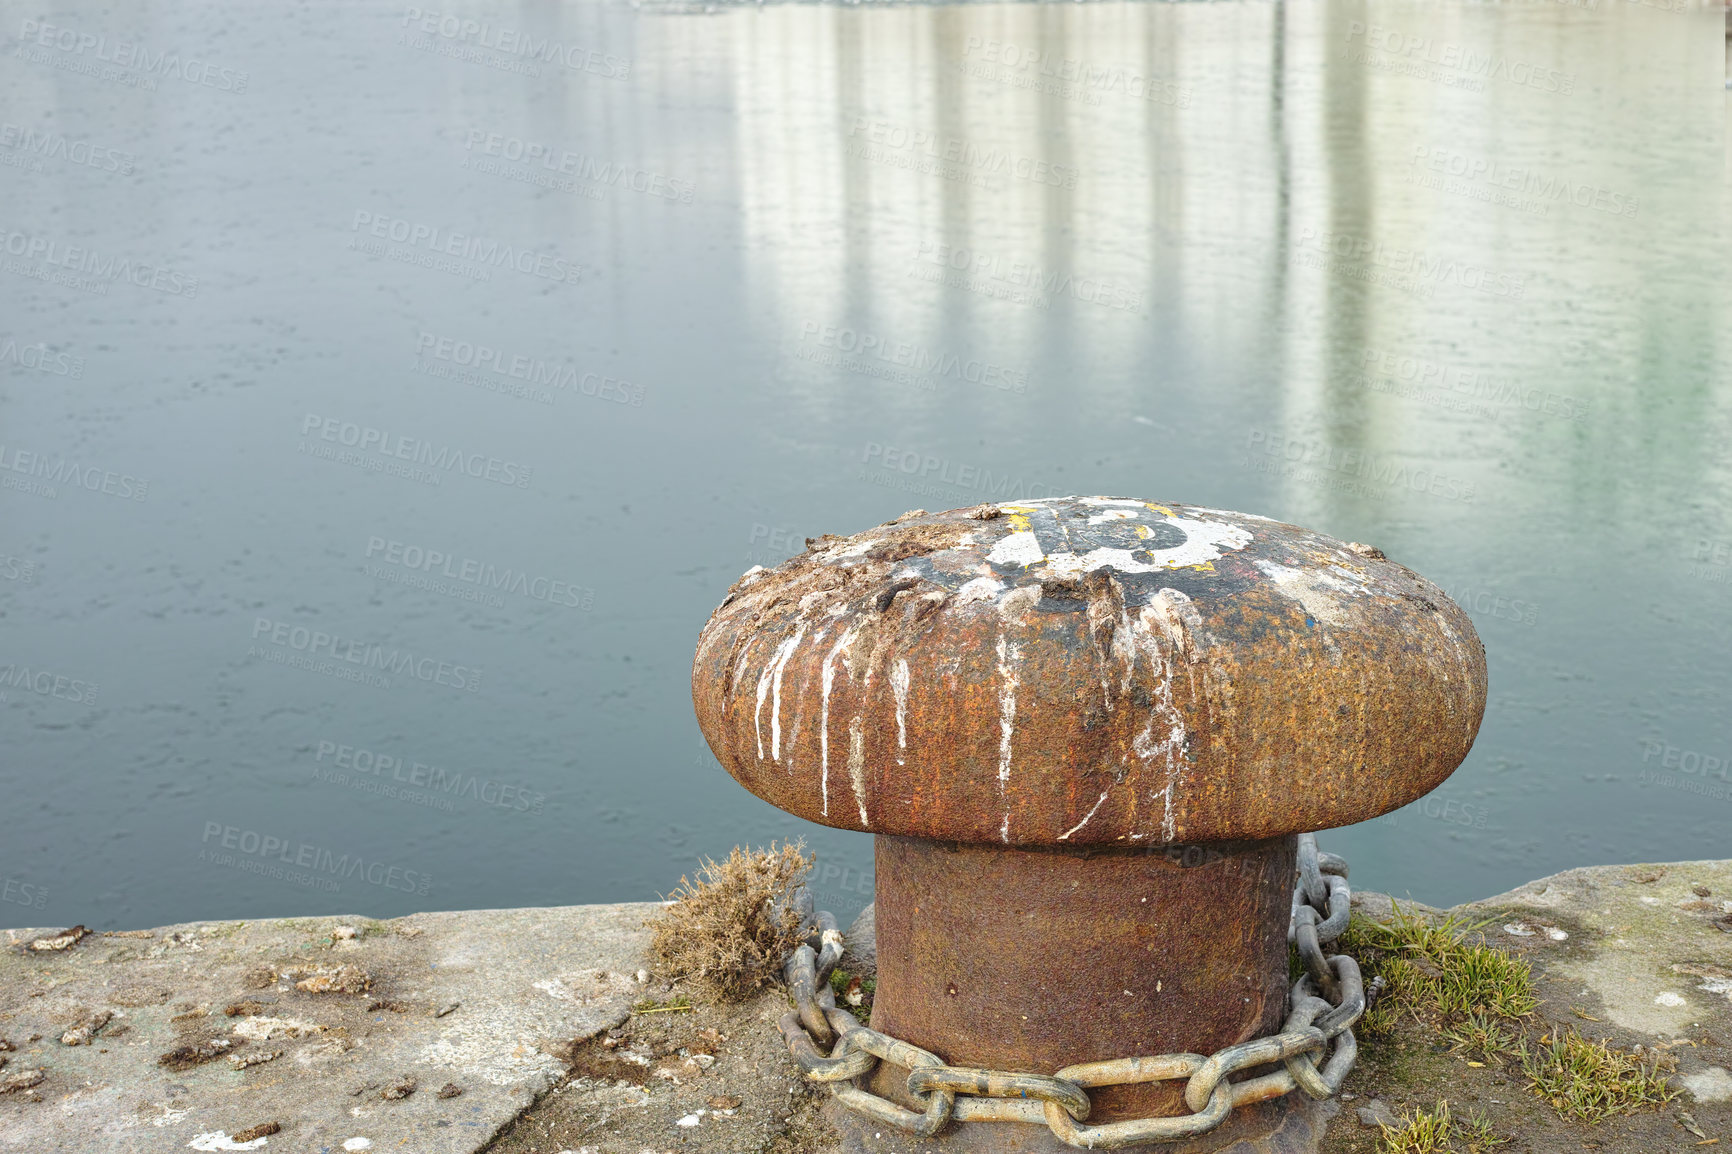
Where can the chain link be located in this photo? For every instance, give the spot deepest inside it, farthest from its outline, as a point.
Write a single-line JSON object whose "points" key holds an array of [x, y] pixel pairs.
{"points": [[1313, 1052]]}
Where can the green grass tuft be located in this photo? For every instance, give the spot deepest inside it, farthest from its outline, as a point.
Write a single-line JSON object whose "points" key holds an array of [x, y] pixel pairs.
{"points": [[1437, 1131], [1591, 1081], [1430, 966]]}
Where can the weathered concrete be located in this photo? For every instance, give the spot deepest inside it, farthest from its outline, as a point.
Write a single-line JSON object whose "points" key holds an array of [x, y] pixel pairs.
{"points": [[1654, 951], [524, 984], [1640, 952]]}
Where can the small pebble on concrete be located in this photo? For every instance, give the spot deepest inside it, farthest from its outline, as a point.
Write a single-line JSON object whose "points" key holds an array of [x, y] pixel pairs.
{"points": [[1374, 1114]]}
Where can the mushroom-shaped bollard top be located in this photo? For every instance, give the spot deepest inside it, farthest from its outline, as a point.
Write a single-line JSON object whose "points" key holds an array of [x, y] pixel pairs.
{"points": [[1088, 671]]}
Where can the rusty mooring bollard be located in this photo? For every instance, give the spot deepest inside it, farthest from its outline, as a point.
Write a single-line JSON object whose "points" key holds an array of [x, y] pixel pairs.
{"points": [[1086, 732]]}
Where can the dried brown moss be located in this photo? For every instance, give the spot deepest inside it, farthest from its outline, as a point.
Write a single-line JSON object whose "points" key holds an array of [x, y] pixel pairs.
{"points": [[727, 934]]}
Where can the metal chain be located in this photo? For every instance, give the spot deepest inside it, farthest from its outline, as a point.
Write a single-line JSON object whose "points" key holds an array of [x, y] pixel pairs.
{"points": [[1324, 1004]]}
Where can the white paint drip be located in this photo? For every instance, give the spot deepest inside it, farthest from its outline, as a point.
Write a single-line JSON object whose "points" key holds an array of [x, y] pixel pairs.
{"points": [[899, 684], [1319, 591], [824, 722], [979, 589], [763, 692], [1090, 817], [1004, 830], [783, 652], [1019, 548], [740, 666], [857, 766], [1179, 620], [1163, 738], [1008, 656]]}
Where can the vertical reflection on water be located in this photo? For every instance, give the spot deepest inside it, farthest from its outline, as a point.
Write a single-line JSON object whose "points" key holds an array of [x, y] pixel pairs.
{"points": [[1288, 217], [837, 219]]}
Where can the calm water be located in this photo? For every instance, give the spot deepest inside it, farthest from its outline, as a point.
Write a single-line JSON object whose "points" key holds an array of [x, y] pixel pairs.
{"points": [[387, 396]]}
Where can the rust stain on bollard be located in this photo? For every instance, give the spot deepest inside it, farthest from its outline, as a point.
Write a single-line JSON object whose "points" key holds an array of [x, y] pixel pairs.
{"points": [[1029, 960], [1088, 671], [1042, 708]]}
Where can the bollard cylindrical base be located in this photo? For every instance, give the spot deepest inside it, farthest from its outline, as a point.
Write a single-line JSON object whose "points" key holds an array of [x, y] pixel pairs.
{"points": [[1035, 959]]}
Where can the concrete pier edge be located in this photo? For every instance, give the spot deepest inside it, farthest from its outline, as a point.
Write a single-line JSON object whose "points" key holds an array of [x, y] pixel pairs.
{"points": [[435, 1032]]}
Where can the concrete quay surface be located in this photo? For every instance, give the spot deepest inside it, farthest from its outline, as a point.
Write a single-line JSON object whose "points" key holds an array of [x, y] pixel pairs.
{"points": [[435, 1033], [487, 1002]]}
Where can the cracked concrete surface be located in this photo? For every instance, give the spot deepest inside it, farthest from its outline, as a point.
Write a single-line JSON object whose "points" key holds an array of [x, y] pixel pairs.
{"points": [[481, 1006]]}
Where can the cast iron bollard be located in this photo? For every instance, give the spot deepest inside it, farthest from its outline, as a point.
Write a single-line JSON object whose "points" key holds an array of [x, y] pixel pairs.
{"points": [[1086, 732]]}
